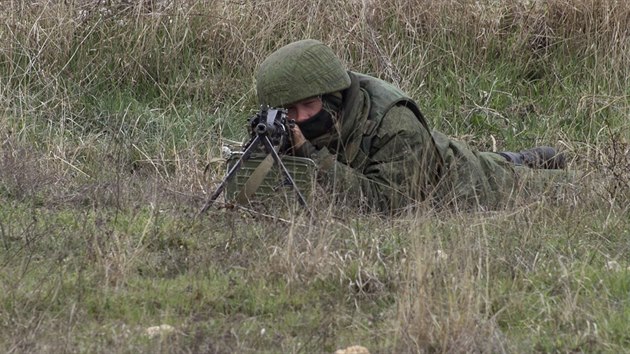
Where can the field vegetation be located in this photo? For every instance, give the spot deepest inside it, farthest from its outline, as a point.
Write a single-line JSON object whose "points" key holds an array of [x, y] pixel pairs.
{"points": [[112, 119]]}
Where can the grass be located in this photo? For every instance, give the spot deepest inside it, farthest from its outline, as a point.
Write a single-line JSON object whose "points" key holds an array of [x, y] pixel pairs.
{"points": [[110, 114]]}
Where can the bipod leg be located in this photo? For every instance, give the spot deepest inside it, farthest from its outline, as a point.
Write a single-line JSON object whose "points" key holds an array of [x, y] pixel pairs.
{"points": [[230, 174], [274, 154]]}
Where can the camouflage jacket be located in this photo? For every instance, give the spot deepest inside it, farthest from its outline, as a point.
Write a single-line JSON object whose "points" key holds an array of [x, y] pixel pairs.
{"points": [[383, 157]]}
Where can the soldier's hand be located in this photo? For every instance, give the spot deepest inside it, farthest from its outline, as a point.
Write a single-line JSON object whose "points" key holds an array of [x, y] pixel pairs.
{"points": [[298, 137]]}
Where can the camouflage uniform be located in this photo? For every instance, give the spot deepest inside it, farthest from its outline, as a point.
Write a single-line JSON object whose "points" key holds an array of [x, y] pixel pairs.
{"points": [[382, 154]]}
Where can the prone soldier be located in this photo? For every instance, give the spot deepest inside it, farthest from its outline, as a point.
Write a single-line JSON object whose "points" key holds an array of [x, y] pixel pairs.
{"points": [[371, 143]]}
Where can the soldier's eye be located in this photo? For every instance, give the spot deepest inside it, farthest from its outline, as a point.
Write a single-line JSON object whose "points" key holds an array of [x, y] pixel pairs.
{"points": [[312, 102]]}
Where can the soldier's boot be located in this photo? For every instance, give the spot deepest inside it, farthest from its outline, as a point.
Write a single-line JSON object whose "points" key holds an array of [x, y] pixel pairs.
{"points": [[542, 157]]}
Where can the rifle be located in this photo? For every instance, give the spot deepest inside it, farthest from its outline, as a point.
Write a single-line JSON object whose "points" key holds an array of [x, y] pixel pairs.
{"points": [[270, 132]]}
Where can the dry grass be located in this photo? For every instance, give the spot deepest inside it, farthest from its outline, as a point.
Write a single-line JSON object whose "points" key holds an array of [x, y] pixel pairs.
{"points": [[110, 112]]}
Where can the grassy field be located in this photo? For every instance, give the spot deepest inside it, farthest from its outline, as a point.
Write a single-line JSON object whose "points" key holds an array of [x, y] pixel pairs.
{"points": [[111, 111]]}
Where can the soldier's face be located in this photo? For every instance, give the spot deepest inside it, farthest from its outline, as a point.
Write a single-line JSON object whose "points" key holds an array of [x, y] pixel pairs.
{"points": [[305, 109]]}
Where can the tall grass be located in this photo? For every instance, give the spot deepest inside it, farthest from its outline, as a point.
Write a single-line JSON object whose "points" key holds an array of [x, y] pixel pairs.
{"points": [[112, 118]]}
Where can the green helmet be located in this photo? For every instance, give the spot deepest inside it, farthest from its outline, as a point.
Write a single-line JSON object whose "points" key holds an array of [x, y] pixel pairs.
{"points": [[299, 70]]}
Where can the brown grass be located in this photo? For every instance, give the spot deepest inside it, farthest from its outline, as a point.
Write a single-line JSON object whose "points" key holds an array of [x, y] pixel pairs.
{"points": [[110, 111]]}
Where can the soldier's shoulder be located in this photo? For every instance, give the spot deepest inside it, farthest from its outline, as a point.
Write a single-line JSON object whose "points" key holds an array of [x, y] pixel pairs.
{"points": [[399, 119]]}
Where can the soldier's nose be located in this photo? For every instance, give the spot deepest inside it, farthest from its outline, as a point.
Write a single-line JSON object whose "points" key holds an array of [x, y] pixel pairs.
{"points": [[301, 115]]}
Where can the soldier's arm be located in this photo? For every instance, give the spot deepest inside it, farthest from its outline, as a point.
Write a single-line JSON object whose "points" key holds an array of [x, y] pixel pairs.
{"points": [[402, 167]]}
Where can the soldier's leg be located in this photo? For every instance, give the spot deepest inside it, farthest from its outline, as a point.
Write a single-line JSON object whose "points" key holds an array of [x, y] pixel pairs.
{"points": [[544, 157], [473, 178]]}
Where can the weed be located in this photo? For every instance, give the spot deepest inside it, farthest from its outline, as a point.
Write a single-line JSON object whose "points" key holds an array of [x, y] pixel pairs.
{"points": [[110, 112]]}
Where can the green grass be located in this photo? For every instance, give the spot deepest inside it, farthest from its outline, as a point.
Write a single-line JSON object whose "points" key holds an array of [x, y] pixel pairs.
{"points": [[112, 120], [102, 278]]}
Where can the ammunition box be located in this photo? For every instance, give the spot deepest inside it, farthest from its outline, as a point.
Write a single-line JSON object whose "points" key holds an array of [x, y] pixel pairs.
{"points": [[275, 186]]}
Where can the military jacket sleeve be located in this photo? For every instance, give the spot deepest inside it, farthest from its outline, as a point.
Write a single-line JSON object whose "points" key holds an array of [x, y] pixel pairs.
{"points": [[403, 165]]}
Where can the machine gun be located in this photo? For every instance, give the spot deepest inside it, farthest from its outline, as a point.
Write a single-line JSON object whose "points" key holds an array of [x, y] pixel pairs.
{"points": [[270, 133]]}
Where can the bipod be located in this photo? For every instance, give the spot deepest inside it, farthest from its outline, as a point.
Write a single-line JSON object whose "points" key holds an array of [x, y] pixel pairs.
{"points": [[261, 138]]}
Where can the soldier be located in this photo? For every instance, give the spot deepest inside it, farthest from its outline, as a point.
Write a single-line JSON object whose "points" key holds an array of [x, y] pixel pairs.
{"points": [[372, 145]]}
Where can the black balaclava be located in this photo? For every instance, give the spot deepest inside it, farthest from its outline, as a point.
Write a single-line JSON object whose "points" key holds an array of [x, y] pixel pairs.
{"points": [[324, 121]]}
